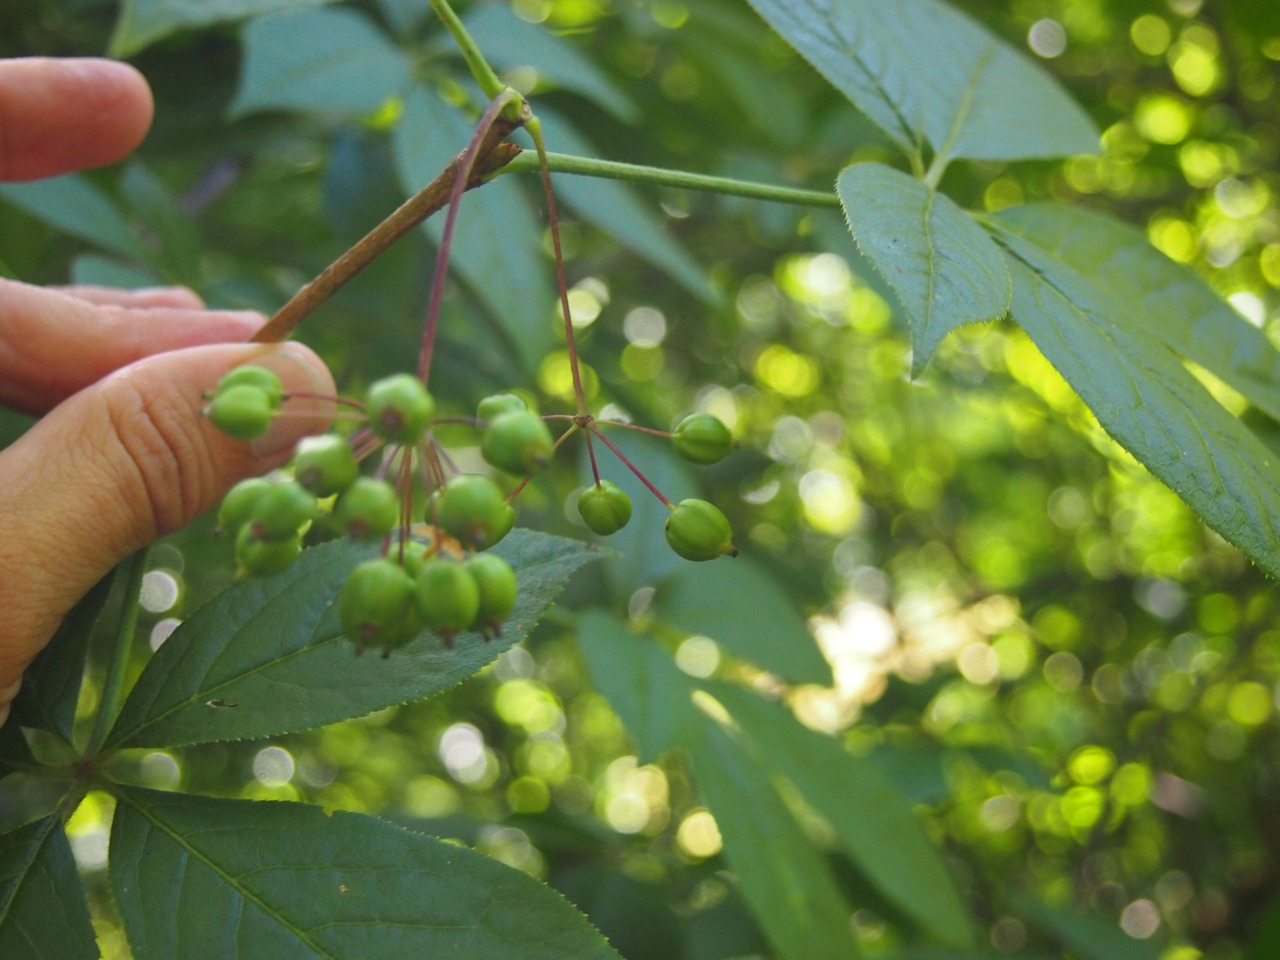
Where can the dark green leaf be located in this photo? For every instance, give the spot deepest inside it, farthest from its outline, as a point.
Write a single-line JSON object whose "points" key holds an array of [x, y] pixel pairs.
{"points": [[324, 60], [95, 270], [1091, 937], [741, 606], [13, 748], [496, 243], [640, 681], [198, 878], [944, 269], [870, 817], [782, 876], [43, 913], [143, 22], [1148, 401], [1164, 298], [75, 206], [922, 70], [268, 656]]}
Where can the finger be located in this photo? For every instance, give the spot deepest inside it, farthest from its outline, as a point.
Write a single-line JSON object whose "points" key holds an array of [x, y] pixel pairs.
{"points": [[120, 464], [62, 115], [53, 344], [178, 298]]}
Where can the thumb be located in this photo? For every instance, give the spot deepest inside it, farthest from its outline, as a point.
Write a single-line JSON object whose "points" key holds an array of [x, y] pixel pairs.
{"points": [[121, 463]]}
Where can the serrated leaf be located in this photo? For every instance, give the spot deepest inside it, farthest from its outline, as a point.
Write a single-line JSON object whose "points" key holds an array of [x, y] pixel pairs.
{"points": [[640, 681], [1088, 936], [200, 878], [741, 606], [43, 912], [943, 267], [1147, 400], [268, 656], [496, 240], [331, 61], [923, 71], [1164, 298], [143, 22], [73, 205], [871, 819], [784, 879], [511, 43]]}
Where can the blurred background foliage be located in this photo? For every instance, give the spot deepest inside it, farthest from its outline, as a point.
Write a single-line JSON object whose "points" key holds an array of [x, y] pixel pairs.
{"points": [[1072, 679]]}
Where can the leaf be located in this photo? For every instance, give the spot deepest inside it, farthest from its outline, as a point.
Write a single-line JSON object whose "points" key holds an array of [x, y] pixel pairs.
{"points": [[197, 878], [640, 681], [1090, 937], [332, 61], [1147, 400], [267, 656], [921, 70], [14, 751], [76, 207], [496, 241], [618, 211], [43, 912], [787, 883], [872, 821], [143, 22], [511, 43], [945, 270], [95, 270], [740, 605], [1162, 297]]}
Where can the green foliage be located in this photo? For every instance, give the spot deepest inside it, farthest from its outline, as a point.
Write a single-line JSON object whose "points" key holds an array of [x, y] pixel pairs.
{"points": [[42, 906]]}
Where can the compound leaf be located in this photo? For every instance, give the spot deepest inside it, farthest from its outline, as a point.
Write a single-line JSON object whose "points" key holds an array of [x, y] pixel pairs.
{"points": [[943, 267], [268, 655], [923, 71], [198, 878], [143, 22], [43, 913]]}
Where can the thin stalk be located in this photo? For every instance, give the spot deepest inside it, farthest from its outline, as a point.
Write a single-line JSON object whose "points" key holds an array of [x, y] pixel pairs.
{"points": [[632, 426], [465, 166], [122, 645], [554, 447], [637, 173], [591, 455], [476, 63], [634, 469]]}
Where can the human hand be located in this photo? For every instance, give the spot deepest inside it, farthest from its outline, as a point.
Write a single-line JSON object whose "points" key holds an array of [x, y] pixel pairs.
{"points": [[121, 454]]}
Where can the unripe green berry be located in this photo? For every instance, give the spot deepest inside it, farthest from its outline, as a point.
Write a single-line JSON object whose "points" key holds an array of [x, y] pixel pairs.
{"points": [[517, 441], [399, 408], [473, 509], [605, 508], [498, 588], [367, 510], [262, 558], [377, 606], [251, 375], [697, 530], [496, 405], [703, 438], [448, 597], [239, 503], [243, 412], [325, 464], [282, 510], [506, 526], [413, 557]]}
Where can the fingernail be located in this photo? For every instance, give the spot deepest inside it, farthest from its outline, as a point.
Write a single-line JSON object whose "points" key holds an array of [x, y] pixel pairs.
{"points": [[300, 371]]}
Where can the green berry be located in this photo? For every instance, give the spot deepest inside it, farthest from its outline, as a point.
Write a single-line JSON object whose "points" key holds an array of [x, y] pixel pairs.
{"points": [[506, 526], [254, 376], [238, 505], [243, 412], [448, 597], [261, 558], [473, 509], [413, 557], [605, 508], [282, 510], [517, 441], [367, 510], [325, 464], [703, 438], [377, 606], [495, 406], [498, 590], [399, 408], [697, 530]]}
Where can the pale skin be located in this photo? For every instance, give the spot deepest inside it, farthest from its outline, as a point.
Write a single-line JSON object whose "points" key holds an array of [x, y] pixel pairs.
{"points": [[121, 454]]}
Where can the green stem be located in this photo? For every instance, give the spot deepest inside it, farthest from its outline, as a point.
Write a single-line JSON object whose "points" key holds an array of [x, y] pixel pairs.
{"points": [[476, 63], [637, 173], [122, 645], [933, 176]]}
